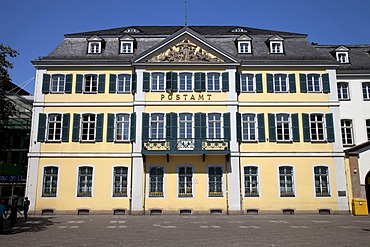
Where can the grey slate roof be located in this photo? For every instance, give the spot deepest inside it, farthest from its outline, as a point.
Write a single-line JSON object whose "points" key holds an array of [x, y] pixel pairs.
{"points": [[297, 49], [359, 58]]}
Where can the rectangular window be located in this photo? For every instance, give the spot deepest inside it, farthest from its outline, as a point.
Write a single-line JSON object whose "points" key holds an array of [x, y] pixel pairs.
{"points": [[124, 83], [317, 127], [213, 82], [122, 127], [343, 91], [366, 90], [50, 182], [156, 175], [247, 82], [251, 181], [185, 182], [54, 127], [185, 81], [313, 83], [120, 182], [347, 131], [276, 47], [85, 174], [321, 181], [215, 181], [90, 83], [283, 128], [249, 127], [281, 83], [214, 126], [57, 84], [342, 57], [286, 181], [368, 129], [244, 47], [126, 47], [157, 81], [94, 47], [157, 126], [88, 127]]}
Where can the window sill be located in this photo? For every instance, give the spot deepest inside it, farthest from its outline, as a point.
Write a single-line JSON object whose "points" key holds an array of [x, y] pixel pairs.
{"points": [[51, 92], [251, 195], [250, 141], [323, 195], [344, 99], [53, 141]]}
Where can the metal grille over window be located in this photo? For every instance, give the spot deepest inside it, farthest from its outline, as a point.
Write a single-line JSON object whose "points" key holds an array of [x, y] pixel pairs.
{"points": [[50, 182], [286, 181], [185, 182], [84, 181], [156, 175], [251, 181], [215, 182], [120, 182], [321, 181]]}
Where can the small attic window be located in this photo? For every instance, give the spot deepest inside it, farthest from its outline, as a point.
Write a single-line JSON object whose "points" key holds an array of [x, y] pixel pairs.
{"points": [[95, 47], [342, 57], [127, 44], [276, 47], [238, 30], [132, 30], [244, 44]]}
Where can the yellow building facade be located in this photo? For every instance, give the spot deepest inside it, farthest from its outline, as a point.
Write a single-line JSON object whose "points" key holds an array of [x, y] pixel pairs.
{"points": [[186, 120]]}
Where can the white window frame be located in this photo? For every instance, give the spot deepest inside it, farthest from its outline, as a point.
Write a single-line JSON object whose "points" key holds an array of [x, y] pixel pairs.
{"points": [[186, 142], [249, 122], [244, 47], [367, 124], [94, 47], [311, 83], [90, 125], [276, 47], [159, 195], [284, 129], [212, 123], [93, 85], [342, 57], [320, 181], [366, 90], [187, 84], [186, 182], [284, 190], [125, 123], [60, 83], [157, 85], [245, 83], [342, 86], [346, 127], [251, 187], [278, 84], [125, 79], [160, 124], [120, 194], [215, 194], [315, 127], [82, 194], [127, 47], [54, 128], [50, 186], [213, 82]]}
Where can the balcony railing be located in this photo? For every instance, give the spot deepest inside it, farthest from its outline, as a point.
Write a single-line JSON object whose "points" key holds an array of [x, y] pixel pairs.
{"points": [[186, 146]]}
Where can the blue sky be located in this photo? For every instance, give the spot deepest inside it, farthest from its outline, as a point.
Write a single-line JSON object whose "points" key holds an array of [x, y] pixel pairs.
{"points": [[35, 27]]}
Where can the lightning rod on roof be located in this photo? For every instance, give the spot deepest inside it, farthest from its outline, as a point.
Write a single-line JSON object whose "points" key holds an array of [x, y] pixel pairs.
{"points": [[186, 13]]}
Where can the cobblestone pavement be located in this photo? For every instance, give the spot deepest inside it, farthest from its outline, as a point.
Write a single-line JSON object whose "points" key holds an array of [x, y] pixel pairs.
{"points": [[192, 230]]}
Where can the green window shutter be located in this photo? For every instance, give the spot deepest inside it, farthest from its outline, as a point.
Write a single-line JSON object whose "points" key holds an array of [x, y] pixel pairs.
{"points": [[133, 127], [171, 81], [270, 83], [326, 83], [45, 83], [303, 83], [227, 131], [112, 83], [292, 86], [259, 86], [99, 127], [225, 82], [330, 127], [306, 127], [42, 128], [68, 87], [110, 128], [200, 125], [76, 127], [200, 82], [65, 131], [261, 127], [101, 87], [145, 127], [238, 127], [171, 126], [79, 80], [204, 125], [295, 125], [174, 81], [237, 82], [272, 130], [146, 82], [134, 83]]}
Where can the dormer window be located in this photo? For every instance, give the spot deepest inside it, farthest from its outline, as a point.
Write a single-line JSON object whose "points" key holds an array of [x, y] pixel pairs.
{"points": [[244, 44], [342, 57], [341, 54], [276, 44], [239, 30], [127, 44], [132, 30], [94, 45]]}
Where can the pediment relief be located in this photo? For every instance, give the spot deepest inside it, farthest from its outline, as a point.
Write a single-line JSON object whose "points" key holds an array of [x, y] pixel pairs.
{"points": [[186, 51]]}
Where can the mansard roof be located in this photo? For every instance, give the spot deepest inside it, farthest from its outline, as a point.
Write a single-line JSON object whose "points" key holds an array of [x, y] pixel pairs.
{"points": [[297, 49]]}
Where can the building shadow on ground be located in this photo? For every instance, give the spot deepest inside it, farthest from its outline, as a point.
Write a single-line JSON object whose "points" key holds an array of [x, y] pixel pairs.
{"points": [[34, 224]]}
